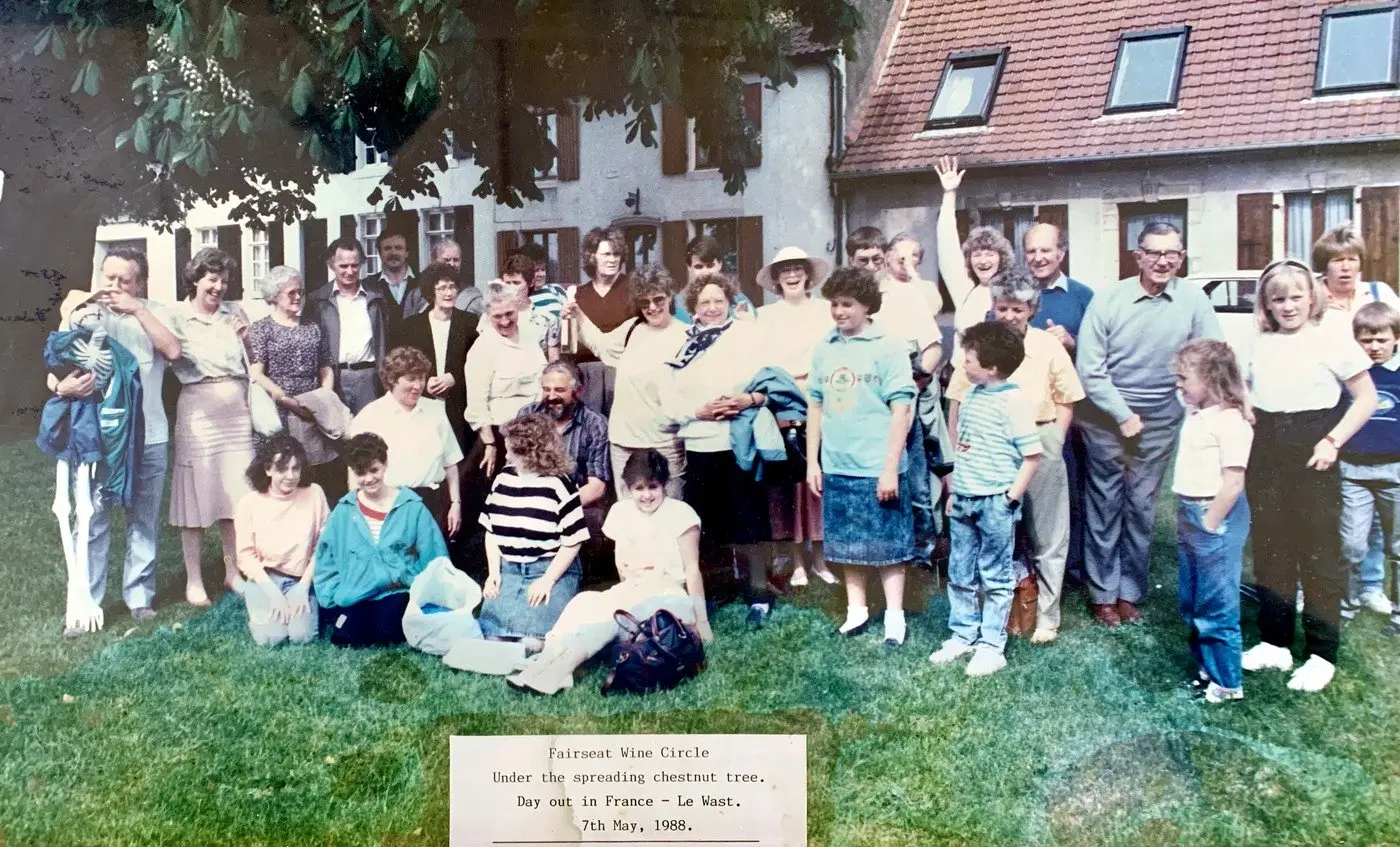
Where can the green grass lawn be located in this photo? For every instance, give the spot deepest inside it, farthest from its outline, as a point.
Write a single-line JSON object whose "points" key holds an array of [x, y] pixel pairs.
{"points": [[182, 732]]}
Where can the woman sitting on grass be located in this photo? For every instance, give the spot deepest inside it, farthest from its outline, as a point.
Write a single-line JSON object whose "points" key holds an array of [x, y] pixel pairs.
{"points": [[277, 525], [376, 541], [658, 560]]}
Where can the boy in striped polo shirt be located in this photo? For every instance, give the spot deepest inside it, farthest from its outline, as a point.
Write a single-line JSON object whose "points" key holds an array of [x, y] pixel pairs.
{"points": [[998, 449]]}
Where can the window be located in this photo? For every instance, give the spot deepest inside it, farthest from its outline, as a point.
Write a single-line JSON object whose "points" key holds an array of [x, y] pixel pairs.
{"points": [[442, 226], [1232, 295], [1357, 49], [206, 236], [700, 158], [1132, 217], [1307, 215], [967, 89], [259, 255], [1012, 223], [1147, 73], [726, 232], [551, 129], [374, 156], [370, 227]]}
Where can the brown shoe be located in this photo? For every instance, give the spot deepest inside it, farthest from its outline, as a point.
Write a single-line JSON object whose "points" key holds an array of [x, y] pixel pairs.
{"points": [[1128, 612], [1106, 614]]}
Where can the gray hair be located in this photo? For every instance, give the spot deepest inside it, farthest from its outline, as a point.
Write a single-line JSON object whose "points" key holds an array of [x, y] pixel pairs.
{"points": [[563, 366], [438, 247], [501, 292], [277, 279], [1014, 282]]}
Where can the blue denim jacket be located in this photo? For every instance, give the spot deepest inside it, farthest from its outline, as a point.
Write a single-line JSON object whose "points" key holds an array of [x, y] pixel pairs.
{"points": [[785, 401]]}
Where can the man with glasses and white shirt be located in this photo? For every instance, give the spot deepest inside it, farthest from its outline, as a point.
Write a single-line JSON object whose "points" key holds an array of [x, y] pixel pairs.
{"points": [[1131, 415]]}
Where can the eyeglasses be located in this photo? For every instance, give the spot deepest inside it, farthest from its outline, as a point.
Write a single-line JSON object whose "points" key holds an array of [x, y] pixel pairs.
{"points": [[445, 287], [1155, 256], [657, 302]]}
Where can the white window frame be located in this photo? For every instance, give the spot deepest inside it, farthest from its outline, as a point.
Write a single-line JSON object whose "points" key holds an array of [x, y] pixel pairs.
{"points": [[551, 124], [370, 227], [205, 236], [369, 156], [693, 150], [259, 256], [445, 231]]}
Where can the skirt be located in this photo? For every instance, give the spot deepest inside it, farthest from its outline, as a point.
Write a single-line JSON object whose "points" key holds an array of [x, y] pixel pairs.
{"points": [[860, 530], [733, 508], [213, 447], [795, 513], [509, 614]]}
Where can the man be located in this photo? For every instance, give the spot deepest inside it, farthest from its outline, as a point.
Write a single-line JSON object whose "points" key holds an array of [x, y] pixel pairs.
{"points": [[903, 255], [704, 256], [355, 324], [865, 248], [142, 327], [395, 279], [1131, 416], [449, 252], [585, 432]]}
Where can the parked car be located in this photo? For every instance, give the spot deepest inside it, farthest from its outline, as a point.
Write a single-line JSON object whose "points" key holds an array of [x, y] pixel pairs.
{"points": [[1232, 294]]}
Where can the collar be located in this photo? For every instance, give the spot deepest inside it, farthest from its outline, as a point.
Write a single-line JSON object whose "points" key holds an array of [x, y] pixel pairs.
{"points": [[397, 408], [1060, 281], [407, 275], [996, 389], [1140, 293], [224, 311], [1392, 364], [359, 291], [871, 332], [1204, 411]]}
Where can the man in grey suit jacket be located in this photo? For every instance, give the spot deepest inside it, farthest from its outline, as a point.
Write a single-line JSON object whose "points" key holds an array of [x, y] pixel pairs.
{"points": [[354, 321], [395, 281]]}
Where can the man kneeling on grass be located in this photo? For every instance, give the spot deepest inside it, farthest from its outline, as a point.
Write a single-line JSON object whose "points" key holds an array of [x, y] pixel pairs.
{"points": [[377, 539]]}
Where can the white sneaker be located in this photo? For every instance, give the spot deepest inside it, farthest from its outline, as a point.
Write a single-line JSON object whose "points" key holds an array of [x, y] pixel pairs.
{"points": [[1220, 694], [985, 662], [1044, 636], [1314, 675], [951, 651], [1376, 601], [1265, 656]]}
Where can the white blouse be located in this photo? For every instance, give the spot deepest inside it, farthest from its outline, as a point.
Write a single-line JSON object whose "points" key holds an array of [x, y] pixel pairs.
{"points": [[726, 368], [639, 355], [791, 333], [1302, 371]]}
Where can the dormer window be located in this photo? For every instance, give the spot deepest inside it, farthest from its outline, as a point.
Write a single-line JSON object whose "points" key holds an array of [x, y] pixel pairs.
{"points": [[967, 89], [1357, 49], [1147, 73]]}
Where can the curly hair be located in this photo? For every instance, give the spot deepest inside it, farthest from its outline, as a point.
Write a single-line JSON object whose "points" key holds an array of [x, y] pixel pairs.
{"points": [[432, 275], [276, 453], [404, 362], [987, 238], [1215, 363], [648, 281], [697, 285], [538, 445], [1014, 282], [856, 283], [594, 240], [210, 260]]}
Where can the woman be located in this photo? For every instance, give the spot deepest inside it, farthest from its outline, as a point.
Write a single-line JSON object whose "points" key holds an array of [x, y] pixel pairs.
{"points": [[606, 301], [423, 450], [704, 391], [288, 358], [985, 252], [1338, 256], [502, 374], [445, 334], [213, 438], [278, 524], [792, 327], [638, 349]]}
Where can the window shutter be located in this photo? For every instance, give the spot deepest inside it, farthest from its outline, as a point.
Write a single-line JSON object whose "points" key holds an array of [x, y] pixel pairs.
{"points": [[964, 219], [753, 108], [313, 253], [349, 227], [1058, 216], [751, 257], [675, 147], [570, 257], [182, 258], [458, 151], [507, 242], [1380, 228], [464, 233], [567, 124], [231, 242], [276, 246], [406, 221], [674, 236], [1254, 216]]}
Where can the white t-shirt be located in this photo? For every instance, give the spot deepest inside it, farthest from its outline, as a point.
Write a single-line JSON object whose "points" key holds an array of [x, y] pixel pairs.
{"points": [[639, 352], [1302, 371], [439, 328], [793, 333], [1212, 439], [127, 331], [907, 314], [647, 545]]}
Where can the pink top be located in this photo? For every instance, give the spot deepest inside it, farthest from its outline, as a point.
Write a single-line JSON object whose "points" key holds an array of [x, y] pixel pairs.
{"points": [[279, 535]]}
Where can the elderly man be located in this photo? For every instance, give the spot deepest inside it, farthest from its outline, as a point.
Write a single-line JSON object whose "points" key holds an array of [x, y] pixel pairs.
{"points": [[1130, 421], [449, 252], [354, 322], [395, 280], [142, 327]]}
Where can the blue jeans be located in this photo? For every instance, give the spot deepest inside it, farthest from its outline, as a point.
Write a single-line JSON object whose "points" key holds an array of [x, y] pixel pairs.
{"points": [[1370, 501], [1208, 586], [983, 532], [921, 492], [142, 528], [266, 632]]}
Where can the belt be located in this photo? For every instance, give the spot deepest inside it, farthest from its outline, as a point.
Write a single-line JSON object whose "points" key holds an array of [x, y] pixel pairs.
{"points": [[1195, 499], [1045, 423], [358, 366]]}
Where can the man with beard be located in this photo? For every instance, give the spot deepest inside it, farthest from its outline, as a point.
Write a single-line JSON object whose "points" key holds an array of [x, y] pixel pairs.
{"points": [[585, 432]]}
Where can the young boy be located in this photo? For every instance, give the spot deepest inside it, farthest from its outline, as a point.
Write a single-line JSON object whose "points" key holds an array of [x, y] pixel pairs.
{"points": [[703, 255], [1371, 471], [998, 449]]}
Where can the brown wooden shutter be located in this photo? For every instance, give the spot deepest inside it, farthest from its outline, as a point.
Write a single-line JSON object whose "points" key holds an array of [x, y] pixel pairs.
{"points": [[231, 242], [349, 227], [182, 258], [675, 147], [313, 253], [276, 246], [964, 219], [464, 233], [1380, 228], [507, 242], [1056, 214], [1254, 218], [570, 257], [751, 257], [674, 236], [406, 221], [753, 108], [567, 124]]}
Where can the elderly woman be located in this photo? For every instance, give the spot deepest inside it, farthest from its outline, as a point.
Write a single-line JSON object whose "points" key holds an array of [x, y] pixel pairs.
{"points": [[1051, 386], [607, 302], [423, 450], [791, 328], [278, 524], [213, 438], [985, 253], [445, 334], [502, 373], [704, 392], [1338, 256]]}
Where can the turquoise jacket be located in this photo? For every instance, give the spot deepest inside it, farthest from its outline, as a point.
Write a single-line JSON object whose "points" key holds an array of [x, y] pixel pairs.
{"points": [[351, 568]]}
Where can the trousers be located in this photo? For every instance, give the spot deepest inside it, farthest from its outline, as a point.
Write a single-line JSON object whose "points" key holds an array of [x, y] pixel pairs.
{"points": [[1048, 517], [142, 529]]}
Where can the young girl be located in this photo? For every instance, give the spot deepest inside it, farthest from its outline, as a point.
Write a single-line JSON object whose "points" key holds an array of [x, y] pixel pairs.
{"points": [[658, 560], [1296, 368], [1212, 514], [861, 388], [534, 528]]}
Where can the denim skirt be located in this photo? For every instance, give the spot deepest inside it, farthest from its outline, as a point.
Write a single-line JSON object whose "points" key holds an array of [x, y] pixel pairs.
{"points": [[860, 530], [510, 615]]}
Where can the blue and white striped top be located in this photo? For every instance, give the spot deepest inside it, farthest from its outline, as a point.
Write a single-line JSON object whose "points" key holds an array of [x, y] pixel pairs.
{"points": [[996, 430], [532, 516]]}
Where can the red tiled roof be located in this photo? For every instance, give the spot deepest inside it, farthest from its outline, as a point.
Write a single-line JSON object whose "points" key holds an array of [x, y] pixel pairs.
{"points": [[1247, 81], [800, 43]]}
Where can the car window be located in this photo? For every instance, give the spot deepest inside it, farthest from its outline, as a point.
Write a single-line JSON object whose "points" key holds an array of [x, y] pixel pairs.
{"points": [[1231, 295]]}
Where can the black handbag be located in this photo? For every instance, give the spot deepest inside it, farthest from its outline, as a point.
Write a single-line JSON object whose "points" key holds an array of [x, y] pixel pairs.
{"points": [[656, 654], [793, 469]]}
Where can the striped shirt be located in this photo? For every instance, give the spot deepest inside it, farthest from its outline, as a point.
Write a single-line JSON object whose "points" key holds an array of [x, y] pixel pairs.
{"points": [[532, 516], [996, 430], [374, 519], [550, 299]]}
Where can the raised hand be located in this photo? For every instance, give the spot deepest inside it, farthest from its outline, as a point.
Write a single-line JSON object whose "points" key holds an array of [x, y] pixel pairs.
{"points": [[948, 173]]}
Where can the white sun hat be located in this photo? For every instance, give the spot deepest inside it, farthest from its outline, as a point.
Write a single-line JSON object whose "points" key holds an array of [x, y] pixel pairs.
{"points": [[819, 268]]}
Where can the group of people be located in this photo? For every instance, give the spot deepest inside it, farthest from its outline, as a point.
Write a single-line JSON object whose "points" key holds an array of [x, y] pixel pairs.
{"points": [[680, 432]]}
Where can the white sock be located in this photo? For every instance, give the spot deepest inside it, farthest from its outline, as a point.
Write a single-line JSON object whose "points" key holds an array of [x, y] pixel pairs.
{"points": [[894, 625], [855, 616]]}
